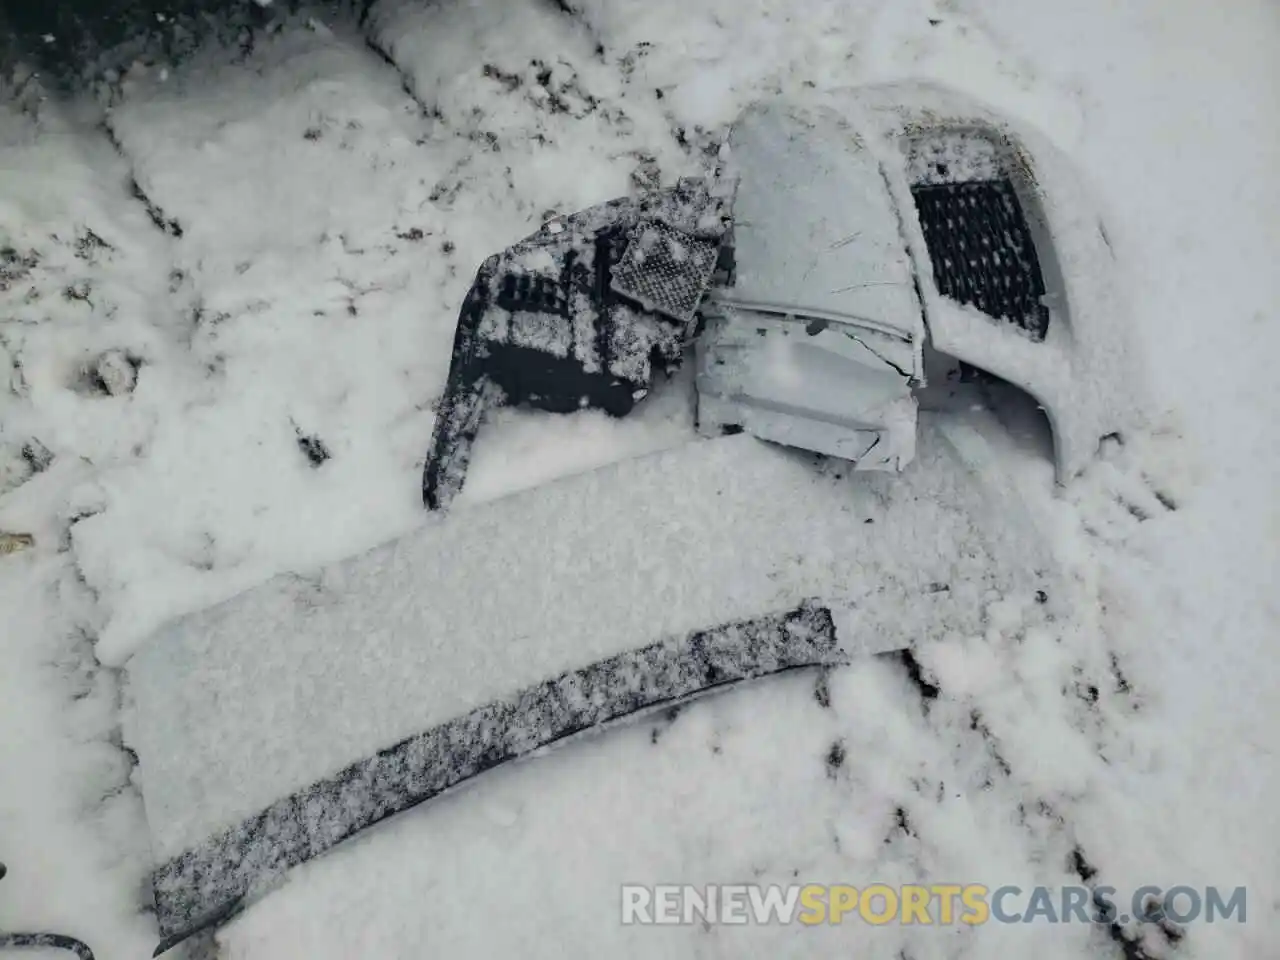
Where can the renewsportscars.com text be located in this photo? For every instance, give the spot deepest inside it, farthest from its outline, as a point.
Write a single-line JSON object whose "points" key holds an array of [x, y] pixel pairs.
{"points": [[941, 904]]}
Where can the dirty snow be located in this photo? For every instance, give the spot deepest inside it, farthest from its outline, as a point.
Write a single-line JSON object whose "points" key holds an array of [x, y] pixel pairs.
{"points": [[229, 374]]}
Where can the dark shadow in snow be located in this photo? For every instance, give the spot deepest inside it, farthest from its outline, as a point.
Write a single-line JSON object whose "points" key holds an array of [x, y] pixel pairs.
{"points": [[962, 389], [915, 673], [75, 42]]}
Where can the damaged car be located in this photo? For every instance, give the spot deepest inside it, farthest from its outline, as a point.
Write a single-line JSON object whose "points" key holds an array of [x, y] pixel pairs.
{"points": [[844, 256], [808, 272]]}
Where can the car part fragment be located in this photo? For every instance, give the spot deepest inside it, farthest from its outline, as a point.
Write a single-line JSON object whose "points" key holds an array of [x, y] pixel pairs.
{"points": [[814, 340], [272, 726], [207, 884], [1027, 288], [808, 272], [575, 315]]}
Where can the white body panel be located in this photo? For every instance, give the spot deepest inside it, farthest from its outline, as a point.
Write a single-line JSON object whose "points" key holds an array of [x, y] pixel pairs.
{"points": [[815, 231], [826, 228], [1085, 373], [817, 342]]}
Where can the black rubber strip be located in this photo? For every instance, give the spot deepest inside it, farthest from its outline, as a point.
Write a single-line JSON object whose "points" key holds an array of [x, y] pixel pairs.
{"points": [[461, 408], [45, 941], [207, 885]]}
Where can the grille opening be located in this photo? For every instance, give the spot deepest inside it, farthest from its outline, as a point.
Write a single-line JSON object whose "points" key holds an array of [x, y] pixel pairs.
{"points": [[982, 252], [956, 388], [970, 195]]}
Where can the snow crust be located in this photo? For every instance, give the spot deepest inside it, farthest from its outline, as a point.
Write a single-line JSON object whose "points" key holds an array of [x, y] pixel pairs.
{"points": [[951, 157]]}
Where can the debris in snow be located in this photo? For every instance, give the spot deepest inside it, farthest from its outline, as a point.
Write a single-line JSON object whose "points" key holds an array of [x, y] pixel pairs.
{"points": [[509, 81], [14, 542], [835, 758], [915, 673], [552, 320], [89, 244], [18, 465], [15, 266], [37, 455], [1202, 750], [169, 226], [647, 175], [314, 448], [116, 372], [822, 690]]}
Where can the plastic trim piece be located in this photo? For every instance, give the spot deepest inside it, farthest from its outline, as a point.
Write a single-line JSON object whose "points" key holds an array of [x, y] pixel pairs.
{"points": [[207, 885]]}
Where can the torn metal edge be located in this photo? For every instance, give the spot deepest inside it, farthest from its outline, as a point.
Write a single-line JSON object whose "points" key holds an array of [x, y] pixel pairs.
{"points": [[209, 884]]}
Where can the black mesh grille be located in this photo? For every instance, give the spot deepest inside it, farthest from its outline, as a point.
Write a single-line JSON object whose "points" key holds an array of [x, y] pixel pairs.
{"points": [[982, 251], [666, 270]]}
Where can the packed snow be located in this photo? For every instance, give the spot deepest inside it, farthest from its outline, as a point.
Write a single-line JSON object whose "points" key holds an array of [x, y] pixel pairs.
{"points": [[228, 289]]}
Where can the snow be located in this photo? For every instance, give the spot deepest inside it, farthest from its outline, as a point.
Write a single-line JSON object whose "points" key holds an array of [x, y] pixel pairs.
{"points": [[1136, 727], [952, 157], [520, 448]]}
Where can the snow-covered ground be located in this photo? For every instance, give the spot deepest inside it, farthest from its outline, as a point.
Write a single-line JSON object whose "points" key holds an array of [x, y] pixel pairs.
{"points": [[228, 373]]}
